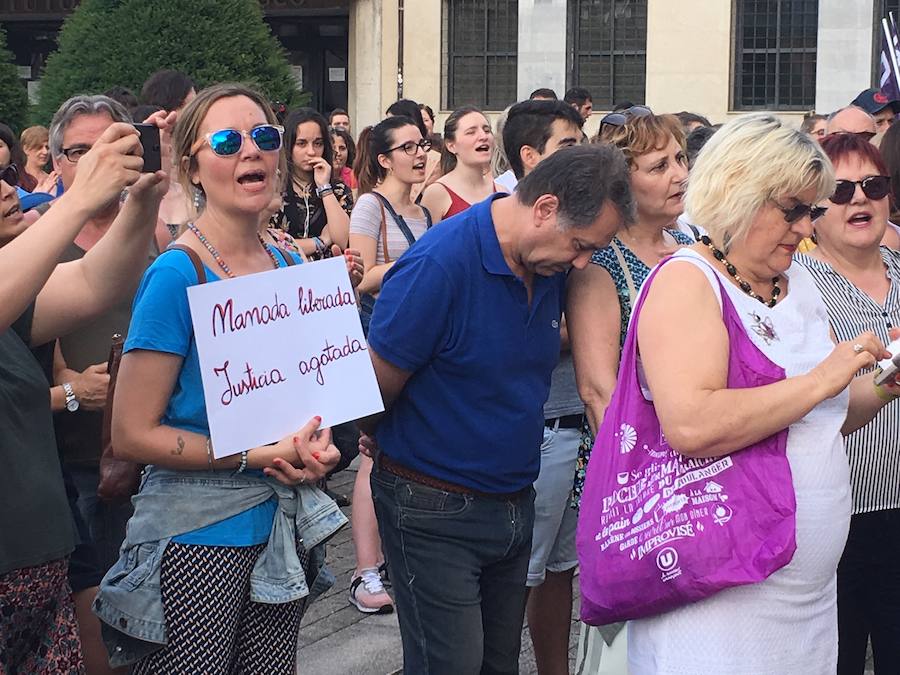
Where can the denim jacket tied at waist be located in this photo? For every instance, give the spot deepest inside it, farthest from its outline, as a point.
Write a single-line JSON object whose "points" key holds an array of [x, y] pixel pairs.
{"points": [[171, 503]]}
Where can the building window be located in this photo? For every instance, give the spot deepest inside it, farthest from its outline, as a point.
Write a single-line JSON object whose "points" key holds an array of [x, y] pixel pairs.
{"points": [[607, 49], [480, 44], [775, 54]]}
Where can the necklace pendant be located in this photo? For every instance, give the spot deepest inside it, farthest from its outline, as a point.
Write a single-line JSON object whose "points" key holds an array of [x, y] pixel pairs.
{"points": [[763, 327]]}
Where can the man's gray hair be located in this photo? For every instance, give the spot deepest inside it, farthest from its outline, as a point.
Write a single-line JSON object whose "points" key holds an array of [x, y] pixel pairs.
{"points": [[583, 178], [82, 104]]}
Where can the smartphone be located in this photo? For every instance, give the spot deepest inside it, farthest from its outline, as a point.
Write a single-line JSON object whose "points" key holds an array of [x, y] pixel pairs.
{"points": [[888, 368], [151, 145]]}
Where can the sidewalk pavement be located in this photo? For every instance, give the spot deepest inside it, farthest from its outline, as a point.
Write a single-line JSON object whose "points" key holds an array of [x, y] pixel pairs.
{"points": [[338, 639]]}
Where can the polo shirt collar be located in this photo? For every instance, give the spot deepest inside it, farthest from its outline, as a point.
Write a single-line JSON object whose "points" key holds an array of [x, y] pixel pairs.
{"points": [[491, 254]]}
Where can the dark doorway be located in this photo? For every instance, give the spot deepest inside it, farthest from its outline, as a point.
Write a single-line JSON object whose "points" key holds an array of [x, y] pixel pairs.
{"points": [[318, 48]]}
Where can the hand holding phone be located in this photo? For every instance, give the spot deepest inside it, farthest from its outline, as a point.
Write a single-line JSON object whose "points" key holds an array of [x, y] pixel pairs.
{"points": [[888, 368], [151, 146]]}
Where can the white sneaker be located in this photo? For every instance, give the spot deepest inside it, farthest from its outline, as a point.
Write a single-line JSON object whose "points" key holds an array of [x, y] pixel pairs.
{"points": [[368, 595]]}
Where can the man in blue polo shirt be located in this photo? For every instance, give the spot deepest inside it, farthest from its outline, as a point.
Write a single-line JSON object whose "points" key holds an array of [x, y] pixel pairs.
{"points": [[464, 337]]}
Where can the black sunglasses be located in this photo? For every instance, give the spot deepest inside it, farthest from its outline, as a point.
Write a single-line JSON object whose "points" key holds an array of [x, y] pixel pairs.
{"points": [[10, 175], [873, 187], [794, 213], [621, 118]]}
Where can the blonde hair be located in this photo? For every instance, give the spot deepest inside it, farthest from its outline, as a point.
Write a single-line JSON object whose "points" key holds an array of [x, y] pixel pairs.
{"points": [[749, 161], [35, 137], [641, 135], [187, 133]]}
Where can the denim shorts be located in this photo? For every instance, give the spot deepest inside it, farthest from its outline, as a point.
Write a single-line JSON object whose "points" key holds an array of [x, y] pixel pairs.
{"points": [[553, 542]]}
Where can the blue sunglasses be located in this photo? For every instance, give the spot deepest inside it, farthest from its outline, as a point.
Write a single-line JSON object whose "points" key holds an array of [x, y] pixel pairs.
{"points": [[225, 142]]}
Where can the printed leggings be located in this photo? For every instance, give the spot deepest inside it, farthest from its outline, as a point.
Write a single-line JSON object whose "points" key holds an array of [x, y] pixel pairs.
{"points": [[212, 625]]}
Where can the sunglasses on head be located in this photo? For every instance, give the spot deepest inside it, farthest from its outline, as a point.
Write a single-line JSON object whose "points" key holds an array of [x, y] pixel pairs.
{"points": [[10, 175], [621, 118], [794, 213], [873, 187], [226, 142]]}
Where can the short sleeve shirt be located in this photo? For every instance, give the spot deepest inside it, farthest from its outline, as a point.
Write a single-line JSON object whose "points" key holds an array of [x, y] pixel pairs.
{"points": [[366, 220], [161, 322], [453, 314]]}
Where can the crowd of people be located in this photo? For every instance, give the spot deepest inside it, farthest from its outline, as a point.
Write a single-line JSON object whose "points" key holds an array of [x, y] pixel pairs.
{"points": [[499, 272]]}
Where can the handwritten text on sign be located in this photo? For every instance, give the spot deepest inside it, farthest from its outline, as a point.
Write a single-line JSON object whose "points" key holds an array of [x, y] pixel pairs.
{"points": [[277, 348]]}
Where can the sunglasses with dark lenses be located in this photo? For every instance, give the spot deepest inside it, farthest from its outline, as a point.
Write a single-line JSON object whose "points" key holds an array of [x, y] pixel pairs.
{"points": [[794, 213], [226, 142], [10, 175], [621, 118], [873, 187]]}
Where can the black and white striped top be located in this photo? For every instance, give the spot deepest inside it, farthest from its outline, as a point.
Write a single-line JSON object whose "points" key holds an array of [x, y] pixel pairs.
{"points": [[874, 450]]}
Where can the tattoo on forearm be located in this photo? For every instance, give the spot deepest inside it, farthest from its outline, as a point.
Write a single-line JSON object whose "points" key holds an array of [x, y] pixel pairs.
{"points": [[180, 449]]}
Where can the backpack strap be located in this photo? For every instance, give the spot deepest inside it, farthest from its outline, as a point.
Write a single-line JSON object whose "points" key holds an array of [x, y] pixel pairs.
{"points": [[195, 261]]}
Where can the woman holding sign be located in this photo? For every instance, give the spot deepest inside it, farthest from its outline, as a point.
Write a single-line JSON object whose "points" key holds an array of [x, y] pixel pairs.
{"points": [[211, 572]]}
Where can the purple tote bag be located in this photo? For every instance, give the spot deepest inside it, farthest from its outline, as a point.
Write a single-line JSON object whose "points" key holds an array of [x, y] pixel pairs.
{"points": [[658, 530]]}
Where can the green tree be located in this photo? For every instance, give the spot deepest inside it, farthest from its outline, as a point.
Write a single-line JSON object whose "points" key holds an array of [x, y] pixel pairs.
{"points": [[121, 42], [13, 95]]}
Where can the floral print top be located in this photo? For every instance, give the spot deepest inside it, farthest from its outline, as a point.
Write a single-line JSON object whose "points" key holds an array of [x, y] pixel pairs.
{"points": [[639, 271]]}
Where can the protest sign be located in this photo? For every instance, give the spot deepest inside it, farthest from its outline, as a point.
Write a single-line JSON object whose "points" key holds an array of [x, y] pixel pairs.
{"points": [[277, 348]]}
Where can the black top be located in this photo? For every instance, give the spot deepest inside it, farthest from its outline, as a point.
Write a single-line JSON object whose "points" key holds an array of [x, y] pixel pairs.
{"points": [[303, 216], [37, 524]]}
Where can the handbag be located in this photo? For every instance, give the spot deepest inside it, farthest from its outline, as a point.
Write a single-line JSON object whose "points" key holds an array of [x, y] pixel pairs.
{"points": [[367, 300], [659, 530], [119, 478]]}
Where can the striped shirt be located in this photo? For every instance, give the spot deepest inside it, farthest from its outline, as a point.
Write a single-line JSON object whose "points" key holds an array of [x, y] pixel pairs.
{"points": [[874, 450]]}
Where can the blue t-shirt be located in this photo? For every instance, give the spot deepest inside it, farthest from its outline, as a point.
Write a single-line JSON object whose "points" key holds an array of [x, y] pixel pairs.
{"points": [[161, 322], [453, 314]]}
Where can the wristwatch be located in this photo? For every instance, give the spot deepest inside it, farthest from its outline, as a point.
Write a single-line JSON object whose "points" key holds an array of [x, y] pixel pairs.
{"points": [[325, 189], [71, 402]]}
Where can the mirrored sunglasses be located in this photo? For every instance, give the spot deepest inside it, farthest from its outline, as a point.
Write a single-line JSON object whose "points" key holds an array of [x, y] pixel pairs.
{"points": [[226, 142], [873, 187]]}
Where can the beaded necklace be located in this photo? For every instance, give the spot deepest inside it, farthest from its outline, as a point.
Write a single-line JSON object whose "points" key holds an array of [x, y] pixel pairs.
{"points": [[218, 257], [732, 271]]}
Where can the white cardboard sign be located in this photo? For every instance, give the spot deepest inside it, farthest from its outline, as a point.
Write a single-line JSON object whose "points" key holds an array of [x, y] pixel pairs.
{"points": [[277, 348]]}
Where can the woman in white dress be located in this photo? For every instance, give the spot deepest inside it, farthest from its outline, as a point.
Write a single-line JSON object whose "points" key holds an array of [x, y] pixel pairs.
{"points": [[753, 189]]}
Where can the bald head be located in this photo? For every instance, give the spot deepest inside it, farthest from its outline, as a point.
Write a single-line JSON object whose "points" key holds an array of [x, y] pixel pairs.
{"points": [[850, 120]]}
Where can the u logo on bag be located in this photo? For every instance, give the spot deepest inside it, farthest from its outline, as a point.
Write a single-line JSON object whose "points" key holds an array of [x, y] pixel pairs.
{"points": [[667, 559]]}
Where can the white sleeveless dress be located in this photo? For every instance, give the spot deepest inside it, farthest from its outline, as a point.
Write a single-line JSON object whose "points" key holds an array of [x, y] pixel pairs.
{"points": [[787, 623]]}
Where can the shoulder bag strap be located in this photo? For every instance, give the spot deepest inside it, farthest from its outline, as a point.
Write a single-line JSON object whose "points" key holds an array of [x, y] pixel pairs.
{"points": [[428, 222], [384, 244], [629, 280], [398, 219], [195, 261], [284, 255]]}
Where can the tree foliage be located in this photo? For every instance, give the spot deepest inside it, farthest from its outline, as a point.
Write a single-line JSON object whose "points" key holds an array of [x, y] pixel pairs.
{"points": [[13, 95], [105, 43]]}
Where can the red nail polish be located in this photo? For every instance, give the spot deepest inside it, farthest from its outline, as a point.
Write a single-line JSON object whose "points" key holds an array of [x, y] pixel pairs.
{"points": [[317, 418], [316, 455], [296, 440]]}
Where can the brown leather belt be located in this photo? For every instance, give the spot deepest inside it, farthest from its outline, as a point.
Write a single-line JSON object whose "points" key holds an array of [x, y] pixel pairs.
{"points": [[391, 466]]}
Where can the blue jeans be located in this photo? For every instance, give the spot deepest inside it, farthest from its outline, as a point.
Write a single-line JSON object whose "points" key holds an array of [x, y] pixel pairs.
{"points": [[458, 566]]}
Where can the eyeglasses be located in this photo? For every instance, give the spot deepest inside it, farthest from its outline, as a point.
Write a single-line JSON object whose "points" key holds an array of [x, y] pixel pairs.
{"points": [[10, 175], [411, 147], [873, 187], [76, 152], [226, 142], [621, 118], [794, 213]]}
